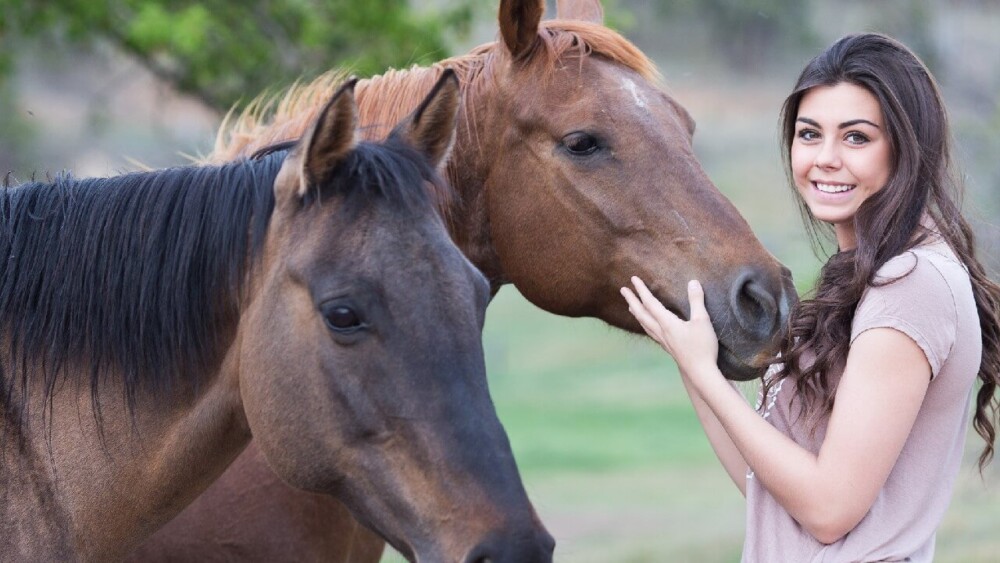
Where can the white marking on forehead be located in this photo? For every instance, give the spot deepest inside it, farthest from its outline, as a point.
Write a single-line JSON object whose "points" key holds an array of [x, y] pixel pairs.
{"points": [[629, 85]]}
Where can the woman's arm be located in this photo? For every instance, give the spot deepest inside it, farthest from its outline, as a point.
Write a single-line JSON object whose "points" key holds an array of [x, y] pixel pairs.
{"points": [[877, 401], [731, 458], [708, 346]]}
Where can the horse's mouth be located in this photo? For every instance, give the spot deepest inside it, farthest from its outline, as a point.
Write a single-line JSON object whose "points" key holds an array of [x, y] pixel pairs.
{"points": [[735, 368]]}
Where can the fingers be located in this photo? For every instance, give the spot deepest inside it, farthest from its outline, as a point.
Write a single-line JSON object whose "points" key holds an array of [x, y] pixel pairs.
{"points": [[654, 309], [696, 296], [642, 291], [640, 313], [663, 316], [672, 333]]}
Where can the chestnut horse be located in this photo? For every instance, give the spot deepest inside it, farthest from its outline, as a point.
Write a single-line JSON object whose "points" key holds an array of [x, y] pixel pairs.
{"points": [[151, 322], [574, 170]]}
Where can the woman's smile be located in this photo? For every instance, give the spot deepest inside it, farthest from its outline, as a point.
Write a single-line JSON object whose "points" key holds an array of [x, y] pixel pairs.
{"points": [[832, 188]]}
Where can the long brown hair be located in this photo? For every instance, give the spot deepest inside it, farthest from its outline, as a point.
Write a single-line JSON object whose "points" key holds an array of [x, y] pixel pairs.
{"points": [[887, 224]]}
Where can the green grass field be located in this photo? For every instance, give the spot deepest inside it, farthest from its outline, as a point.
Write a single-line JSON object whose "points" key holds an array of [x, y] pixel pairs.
{"points": [[615, 461]]}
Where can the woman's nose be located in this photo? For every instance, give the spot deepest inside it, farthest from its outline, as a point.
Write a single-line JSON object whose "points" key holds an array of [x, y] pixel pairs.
{"points": [[828, 157]]}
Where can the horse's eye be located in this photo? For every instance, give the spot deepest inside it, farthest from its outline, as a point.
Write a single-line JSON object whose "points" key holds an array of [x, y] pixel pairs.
{"points": [[341, 318], [580, 144]]}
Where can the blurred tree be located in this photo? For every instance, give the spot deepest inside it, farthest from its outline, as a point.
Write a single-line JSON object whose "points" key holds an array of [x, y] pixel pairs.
{"points": [[222, 51]]}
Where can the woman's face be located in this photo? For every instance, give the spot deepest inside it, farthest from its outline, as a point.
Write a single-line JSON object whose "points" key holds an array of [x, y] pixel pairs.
{"points": [[840, 154]]}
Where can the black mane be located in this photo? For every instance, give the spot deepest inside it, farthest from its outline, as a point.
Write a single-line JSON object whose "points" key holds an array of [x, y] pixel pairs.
{"points": [[138, 273], [143, 273]]}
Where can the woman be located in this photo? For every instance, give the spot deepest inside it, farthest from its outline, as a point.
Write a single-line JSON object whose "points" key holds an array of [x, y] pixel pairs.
{"points": [[858, 439]]}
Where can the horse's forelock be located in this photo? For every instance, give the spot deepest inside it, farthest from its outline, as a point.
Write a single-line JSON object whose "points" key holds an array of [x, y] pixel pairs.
{"points": [[394, 172], [562, 37]]}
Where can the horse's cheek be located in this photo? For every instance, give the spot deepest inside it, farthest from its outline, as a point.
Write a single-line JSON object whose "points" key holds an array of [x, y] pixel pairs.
{"points": [[272, 361]]}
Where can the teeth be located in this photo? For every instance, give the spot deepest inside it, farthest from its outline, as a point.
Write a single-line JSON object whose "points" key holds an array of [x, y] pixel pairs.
{"points": [[831, 189]]}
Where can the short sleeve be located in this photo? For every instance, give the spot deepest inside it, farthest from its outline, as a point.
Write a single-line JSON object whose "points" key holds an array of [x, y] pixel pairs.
{"points": [[919, 303]]}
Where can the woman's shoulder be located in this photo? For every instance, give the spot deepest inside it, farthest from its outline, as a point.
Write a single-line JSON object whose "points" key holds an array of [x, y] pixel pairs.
{"points": [[914, 284], [926, 293], [919, 284], [933, 266]]}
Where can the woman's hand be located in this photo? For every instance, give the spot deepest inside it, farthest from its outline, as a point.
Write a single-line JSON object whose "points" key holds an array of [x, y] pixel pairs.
{"points": [[693, 344]]}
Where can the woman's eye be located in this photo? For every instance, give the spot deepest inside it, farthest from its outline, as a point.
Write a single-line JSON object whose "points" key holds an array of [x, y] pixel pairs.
{"points": [[342, 318], [856, 138], [580, 144], [808, 135]]}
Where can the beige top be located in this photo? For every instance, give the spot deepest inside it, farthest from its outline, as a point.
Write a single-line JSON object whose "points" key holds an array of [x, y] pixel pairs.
{"points": [[932, 304]]}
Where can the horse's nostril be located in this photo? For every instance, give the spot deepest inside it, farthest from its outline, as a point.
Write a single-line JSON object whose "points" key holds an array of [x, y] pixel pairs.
{"points": [[751, 301], [478, 558], [518, 546], [755, 308], [481, 554]]}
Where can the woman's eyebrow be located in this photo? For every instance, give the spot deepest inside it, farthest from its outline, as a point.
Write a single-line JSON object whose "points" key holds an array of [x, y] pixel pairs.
{"points": [[843, 125], [854, 122]]}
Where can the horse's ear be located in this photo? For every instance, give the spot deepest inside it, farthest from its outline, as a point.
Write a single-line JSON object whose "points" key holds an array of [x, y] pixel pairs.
{"points": [[431, 128], [519, 24], [583, 10], [333, 136]]}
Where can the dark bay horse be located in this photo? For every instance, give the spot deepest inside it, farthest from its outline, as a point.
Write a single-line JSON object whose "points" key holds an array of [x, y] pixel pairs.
{"points": [[574, 170], [310, 296]]}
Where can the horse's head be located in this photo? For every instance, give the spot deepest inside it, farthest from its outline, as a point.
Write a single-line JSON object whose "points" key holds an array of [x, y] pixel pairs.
{"points": [[592, 179], [361, 367]]}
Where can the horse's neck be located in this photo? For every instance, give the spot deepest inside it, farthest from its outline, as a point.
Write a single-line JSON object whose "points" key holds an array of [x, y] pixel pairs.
{"points": [[31, 522], [32, 526], [95, 493], [387, 99]]}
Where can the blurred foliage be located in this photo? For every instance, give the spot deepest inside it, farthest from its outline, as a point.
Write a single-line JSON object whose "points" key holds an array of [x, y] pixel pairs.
{"points": [[222, 51]]}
